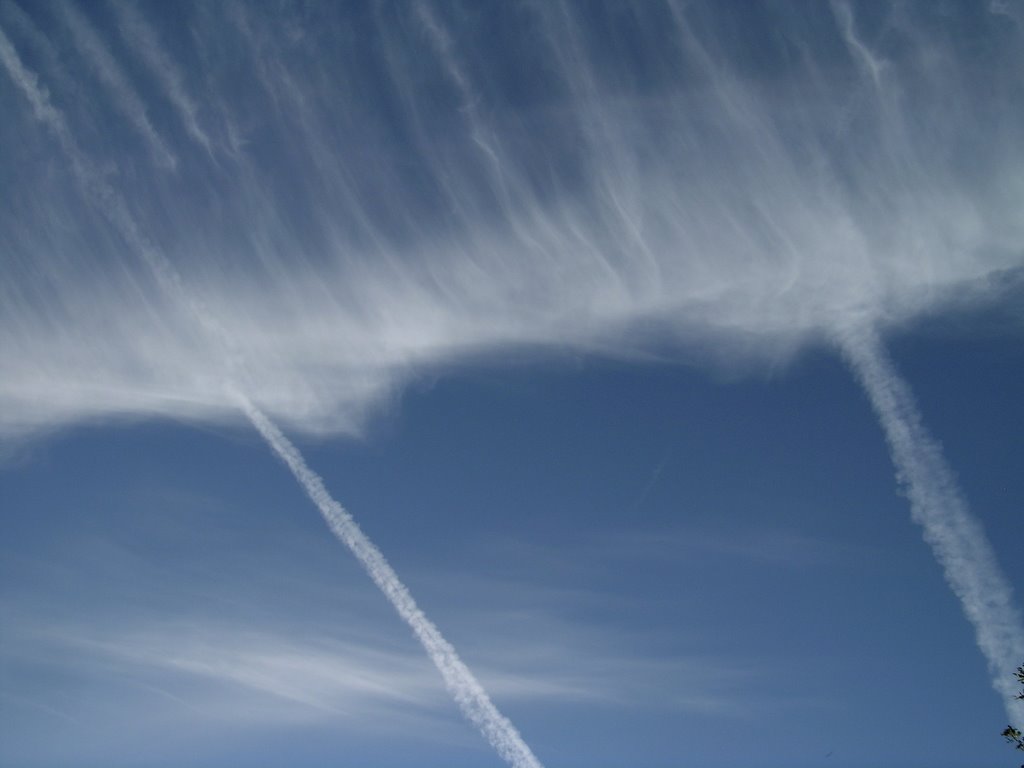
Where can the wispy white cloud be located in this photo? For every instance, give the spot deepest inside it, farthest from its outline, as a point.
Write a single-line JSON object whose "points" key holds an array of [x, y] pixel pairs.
{"points": [[123, 94], [13, 15], [847, 24], [717, 211], [36, 94], [350, 675], [144, 43]]}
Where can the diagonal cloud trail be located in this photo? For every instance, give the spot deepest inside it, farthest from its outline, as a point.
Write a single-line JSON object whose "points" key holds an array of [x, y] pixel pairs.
{"points": [[936, 504], [142, 39], [470, 696], [460, 682], [124, 95]]}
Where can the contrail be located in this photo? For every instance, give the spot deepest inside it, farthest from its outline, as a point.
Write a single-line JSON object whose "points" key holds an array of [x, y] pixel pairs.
{"points": [[936, 504], [470, 696], [460, 682]]}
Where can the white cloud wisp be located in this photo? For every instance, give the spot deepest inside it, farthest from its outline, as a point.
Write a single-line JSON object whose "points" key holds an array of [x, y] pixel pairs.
{"points": [[407, 207]]}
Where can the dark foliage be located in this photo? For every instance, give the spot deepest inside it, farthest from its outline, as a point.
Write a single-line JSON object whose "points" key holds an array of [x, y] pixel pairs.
{"points": [[1011, 734]]}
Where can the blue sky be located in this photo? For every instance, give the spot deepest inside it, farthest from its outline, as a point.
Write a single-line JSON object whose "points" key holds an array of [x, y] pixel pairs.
{"points": [[626, 332]]}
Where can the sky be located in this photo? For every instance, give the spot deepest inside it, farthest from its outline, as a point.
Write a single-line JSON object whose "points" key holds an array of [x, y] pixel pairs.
{"points": [[655, 368]]}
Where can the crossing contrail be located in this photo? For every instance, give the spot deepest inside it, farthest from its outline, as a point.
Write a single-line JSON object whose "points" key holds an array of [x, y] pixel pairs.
{"points": [[470, 696], [936, 504], [460, 682]]}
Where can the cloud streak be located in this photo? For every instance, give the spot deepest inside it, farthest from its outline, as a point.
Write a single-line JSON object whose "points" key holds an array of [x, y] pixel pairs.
{"points": [[144, 42], [121, 91], [954, 534]]}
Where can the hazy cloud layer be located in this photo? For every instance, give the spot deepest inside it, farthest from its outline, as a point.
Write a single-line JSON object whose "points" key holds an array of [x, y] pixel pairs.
{"points": [[360, 195], [178, 666]]}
